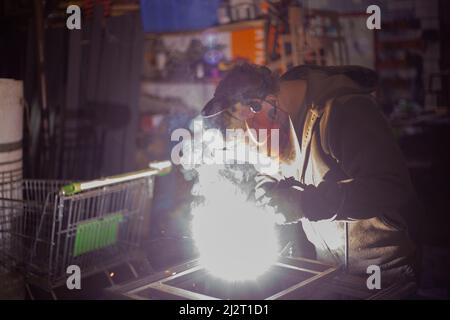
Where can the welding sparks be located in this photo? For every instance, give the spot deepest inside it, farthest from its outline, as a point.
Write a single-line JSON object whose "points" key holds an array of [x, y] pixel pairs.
{"points": [[236, 238]]}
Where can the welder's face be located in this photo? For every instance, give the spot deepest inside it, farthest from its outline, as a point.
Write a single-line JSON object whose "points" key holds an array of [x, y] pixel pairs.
{"points": [[264, 120]]}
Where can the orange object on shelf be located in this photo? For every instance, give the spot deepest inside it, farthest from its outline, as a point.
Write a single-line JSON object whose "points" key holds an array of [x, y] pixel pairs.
{"points": [[248, 44]]}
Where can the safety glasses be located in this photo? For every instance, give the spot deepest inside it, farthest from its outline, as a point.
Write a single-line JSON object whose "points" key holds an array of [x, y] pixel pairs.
{"points": [[262, 115], [259, 114]]}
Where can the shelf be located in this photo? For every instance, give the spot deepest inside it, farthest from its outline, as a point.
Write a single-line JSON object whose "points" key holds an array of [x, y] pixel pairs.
{"points": [[403, 24], [406, 44], [394, 64], [248, 24]]}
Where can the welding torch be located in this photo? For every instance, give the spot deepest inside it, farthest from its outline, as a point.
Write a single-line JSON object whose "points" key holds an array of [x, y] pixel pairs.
{"points": [[266, 183], [285, 194]]}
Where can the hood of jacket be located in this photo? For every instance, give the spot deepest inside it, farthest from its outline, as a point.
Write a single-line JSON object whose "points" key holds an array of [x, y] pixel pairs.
{"points": [[326, 82]]}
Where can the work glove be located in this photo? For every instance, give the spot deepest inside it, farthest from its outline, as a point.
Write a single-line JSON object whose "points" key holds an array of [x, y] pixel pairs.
{"points": [[295, 200], [285, 195]]}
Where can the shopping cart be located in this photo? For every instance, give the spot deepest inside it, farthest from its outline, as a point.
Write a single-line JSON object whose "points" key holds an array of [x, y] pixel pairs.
{"points": [[51, 225], [11, 283]]}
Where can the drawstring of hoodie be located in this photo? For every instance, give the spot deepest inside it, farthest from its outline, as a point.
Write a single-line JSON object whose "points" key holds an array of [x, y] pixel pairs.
{"points": [[306, 146]]}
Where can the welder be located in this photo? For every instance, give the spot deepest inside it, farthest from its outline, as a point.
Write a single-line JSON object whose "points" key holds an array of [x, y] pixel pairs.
{"points": [[351, 189]]}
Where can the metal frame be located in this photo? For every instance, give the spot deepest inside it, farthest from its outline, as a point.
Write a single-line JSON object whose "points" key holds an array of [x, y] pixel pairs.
{"points": [[327, 283], [160, 281]]}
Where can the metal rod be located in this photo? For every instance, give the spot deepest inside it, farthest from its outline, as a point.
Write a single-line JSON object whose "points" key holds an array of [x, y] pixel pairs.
{"points": [[42, 80], [346, 246], [155, 169]]}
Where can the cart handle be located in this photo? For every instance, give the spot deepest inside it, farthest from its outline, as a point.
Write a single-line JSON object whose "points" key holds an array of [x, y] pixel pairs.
{"points": [[156, 168]]}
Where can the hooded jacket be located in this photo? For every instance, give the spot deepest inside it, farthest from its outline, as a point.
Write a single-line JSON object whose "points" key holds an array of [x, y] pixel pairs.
{"points": [[350, 155]]}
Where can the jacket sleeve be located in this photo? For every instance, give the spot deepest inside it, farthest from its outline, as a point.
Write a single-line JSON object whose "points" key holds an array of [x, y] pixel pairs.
{"points": [[361, 141]]}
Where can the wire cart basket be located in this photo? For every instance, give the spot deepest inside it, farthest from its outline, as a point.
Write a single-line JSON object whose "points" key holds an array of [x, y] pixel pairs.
{"points": [[47, 226]]}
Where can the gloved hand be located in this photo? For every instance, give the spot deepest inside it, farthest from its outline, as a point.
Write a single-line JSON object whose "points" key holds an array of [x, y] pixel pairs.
{"points": [[285, 195]]}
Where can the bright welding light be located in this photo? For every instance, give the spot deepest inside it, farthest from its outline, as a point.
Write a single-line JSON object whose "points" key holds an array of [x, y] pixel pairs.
{"points": [[236, 239]]}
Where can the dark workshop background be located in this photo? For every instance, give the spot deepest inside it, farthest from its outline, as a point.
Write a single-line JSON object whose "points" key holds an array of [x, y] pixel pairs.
{"points": [[136, 70]]}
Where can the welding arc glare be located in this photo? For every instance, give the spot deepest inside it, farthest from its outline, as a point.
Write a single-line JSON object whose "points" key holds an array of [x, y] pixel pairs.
{"points": [[236, 238]]}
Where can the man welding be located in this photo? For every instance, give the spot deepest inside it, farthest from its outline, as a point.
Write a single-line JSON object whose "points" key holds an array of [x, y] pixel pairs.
{"points": [[351, 190]]}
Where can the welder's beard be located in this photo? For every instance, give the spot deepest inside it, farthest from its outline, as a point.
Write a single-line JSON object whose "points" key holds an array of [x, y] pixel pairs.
{"points": [[286, 151]]}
